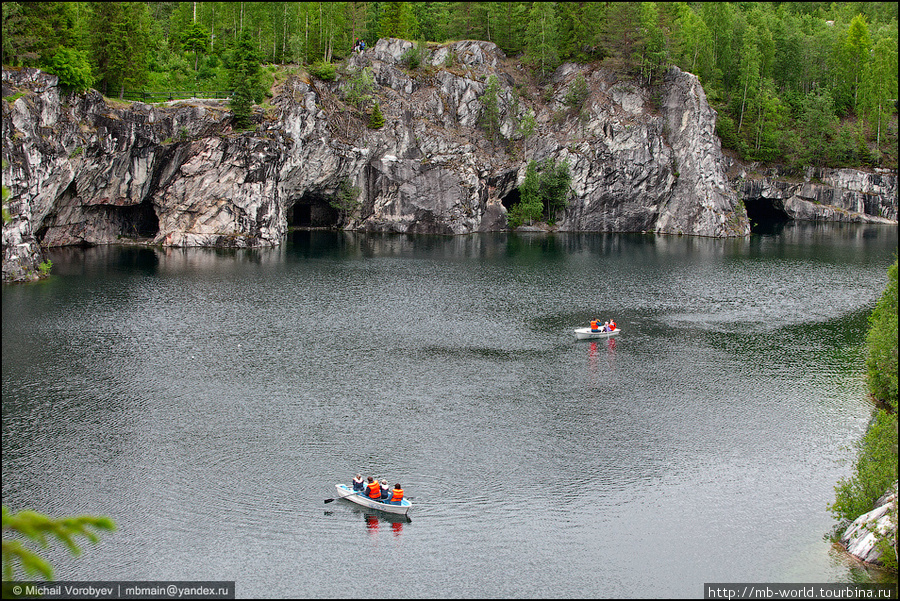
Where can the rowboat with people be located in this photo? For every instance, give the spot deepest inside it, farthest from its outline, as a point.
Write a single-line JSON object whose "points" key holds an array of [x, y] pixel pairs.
{"points": [[345, 492], [588, 333]]}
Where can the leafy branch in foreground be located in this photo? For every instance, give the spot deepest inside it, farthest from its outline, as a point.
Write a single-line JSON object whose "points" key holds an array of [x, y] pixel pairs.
{"points": [[39, 528]]}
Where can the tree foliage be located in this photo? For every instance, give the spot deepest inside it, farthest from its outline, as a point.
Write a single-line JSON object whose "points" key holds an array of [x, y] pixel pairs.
{"points": [[758, 62], [73, 69], [376, 121], [245, 80], [346, 200], [543, 193], [490, 109], [39, 528], [875, 470], [881, 363]]}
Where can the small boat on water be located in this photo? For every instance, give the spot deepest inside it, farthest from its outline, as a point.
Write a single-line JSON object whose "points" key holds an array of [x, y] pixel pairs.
{"points": [[586, 333], [345, 492]]}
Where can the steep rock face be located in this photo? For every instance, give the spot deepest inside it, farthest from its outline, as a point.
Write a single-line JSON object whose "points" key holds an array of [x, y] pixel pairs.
{"points": [[702, 201], [81, 171], [843, 195]]}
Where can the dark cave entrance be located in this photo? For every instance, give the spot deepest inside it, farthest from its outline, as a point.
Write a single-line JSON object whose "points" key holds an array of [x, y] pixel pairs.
{"points": [[312, 211], [766, 216], [138, 221], [511, 199]]}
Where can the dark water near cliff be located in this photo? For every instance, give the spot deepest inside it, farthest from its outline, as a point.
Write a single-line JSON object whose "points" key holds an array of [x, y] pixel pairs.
{"points": [[209, 401]]}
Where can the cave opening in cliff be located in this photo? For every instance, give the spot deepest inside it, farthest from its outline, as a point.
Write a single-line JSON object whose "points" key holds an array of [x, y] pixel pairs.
{"points": [[312, 210], [765, 215], [139, 221], [511, 199]]}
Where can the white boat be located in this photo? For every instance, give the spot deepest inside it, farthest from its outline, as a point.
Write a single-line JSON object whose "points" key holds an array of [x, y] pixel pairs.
{"points": [[585, 333], [359, 498]]}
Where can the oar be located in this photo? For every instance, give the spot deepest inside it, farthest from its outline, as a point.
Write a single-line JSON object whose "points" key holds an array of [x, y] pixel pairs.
{"points": [[330, 500]]}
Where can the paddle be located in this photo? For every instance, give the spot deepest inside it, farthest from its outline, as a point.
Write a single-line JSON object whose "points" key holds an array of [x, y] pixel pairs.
{"points": [[330, 500]]}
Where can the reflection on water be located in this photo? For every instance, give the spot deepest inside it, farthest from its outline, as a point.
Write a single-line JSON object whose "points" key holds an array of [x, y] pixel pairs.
{"points": [[207, 399]]}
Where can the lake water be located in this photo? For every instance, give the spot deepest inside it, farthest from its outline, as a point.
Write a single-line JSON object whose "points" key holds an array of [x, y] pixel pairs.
{"points": [[209, 401]]}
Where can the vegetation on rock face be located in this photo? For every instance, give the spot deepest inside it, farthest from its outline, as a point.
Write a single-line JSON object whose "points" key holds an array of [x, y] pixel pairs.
{"points": [[876, 465], [544, 192], [377, 119], [807, 83]]}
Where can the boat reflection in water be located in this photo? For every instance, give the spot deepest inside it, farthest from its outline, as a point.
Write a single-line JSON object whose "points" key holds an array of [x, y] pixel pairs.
{"points": [[594, 360], [373, 522]]}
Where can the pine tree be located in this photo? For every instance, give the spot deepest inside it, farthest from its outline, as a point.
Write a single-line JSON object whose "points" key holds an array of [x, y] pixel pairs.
{"points": [[490, 108], [377, 119], [244, 75]]}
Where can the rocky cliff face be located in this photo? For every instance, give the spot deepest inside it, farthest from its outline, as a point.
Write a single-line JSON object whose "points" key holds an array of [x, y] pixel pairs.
{"points": [[843, 195], [82, 170]]}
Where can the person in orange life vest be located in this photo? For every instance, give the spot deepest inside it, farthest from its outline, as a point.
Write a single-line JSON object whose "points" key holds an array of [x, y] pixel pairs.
{"points": [[373, 490], [595, 326], [396, 494], [612, 325]]}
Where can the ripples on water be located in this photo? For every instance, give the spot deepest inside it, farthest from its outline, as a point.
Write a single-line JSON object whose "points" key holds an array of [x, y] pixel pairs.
{"points": [[210, 400]]}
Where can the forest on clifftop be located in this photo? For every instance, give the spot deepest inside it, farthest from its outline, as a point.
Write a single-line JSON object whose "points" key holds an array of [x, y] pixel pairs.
{"points": [[796, 83]]}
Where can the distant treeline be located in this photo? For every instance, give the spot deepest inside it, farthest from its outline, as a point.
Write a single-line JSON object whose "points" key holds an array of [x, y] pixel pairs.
{"points": [[797, 82]]}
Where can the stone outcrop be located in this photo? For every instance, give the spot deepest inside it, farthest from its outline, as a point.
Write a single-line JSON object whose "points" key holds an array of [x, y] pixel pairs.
{"points": [[842, 195], [860, 538], [84, 170]]}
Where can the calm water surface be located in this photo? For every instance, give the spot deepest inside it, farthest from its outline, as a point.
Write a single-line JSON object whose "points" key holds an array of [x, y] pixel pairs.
{"points": [[208, 401]]}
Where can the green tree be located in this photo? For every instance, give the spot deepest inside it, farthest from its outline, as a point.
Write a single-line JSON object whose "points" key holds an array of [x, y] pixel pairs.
{"points": [[875, 470], [816, 123], [530, 206], [121, 44], [543, 193], [397, 20], [881, 363], [542, 38], [359, 87], [577, 93], [39, 528], [490, 108], [73, 69], [652, 47], [346, 200], [196, 40], [527, 127], [879, 86], [556, 182], [245, 80], [377, 119], [694, 43], [852, 60]]}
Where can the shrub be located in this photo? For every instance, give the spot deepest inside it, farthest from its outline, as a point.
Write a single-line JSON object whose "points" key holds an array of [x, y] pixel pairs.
{"points": [[323, 71], [543, 193], [875, 470], [881, 363], [578, 93], [415, 56], [377, 119], [73, 69]]}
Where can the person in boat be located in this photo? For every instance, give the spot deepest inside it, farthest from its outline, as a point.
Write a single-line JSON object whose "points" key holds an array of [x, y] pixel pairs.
{"points": [[396, 495], [595, 325], [612, 325], [373, 490], [358, 483], [385, 490]]}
